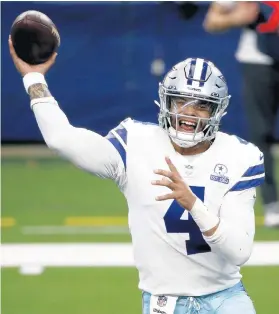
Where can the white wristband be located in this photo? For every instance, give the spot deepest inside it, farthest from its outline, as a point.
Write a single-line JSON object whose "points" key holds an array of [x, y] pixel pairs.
{"points": [[33, 78], [203, 218]]}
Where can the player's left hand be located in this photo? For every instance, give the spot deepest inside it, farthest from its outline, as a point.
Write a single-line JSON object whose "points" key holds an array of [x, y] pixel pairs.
{"points": [[180, 190]]}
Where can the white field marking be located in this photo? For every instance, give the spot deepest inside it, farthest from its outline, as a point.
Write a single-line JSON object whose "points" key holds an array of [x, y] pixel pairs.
{"points": [[70, 230], [72, 254], [31, 269], [101, 254]]}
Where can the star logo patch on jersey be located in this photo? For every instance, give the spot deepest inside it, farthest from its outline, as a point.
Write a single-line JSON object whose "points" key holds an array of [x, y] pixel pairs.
{"points": [[219, 175]]}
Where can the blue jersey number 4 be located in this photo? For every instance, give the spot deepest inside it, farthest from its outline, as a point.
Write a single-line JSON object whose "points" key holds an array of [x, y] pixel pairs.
{"points": [[174, 224]]}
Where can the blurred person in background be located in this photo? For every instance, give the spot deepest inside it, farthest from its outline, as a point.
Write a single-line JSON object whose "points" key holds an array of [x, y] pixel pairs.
{"points": [[258, 55]]}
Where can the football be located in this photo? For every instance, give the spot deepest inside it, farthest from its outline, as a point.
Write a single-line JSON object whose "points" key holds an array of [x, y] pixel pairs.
{"points": [[34, 37]]}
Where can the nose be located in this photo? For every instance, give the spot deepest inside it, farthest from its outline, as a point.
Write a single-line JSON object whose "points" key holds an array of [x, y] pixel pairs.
{"points": [[188, 110]]}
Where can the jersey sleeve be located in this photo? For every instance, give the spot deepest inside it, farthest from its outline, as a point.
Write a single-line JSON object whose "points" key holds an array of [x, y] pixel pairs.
{"points": [[233, 239], [118, 138], [86, 149], [234, 236], [252, 173]]}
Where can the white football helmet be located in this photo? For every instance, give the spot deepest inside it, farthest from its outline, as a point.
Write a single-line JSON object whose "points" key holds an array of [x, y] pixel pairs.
{"points": [[199, 81]]}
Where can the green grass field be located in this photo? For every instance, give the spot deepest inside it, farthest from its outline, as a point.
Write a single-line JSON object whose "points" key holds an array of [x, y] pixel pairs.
{"points": [[51, 201], [108, 290]]}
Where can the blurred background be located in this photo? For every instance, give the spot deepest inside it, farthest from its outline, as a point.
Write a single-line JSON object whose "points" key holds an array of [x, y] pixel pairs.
{"points": [[65, 241]]}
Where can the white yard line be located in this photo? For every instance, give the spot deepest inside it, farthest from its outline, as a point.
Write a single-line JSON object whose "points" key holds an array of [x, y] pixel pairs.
{"points": [[36, 256]]}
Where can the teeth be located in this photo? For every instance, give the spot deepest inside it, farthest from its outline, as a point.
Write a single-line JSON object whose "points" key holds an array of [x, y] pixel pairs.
{"points": [[187, 123]]}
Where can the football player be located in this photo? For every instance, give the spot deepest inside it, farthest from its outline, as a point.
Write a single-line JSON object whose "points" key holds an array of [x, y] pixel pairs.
{"points": [[190, 188]]}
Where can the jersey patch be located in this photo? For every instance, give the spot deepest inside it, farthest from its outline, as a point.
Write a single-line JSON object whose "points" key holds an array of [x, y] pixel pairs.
{"points": [[219, 175]]}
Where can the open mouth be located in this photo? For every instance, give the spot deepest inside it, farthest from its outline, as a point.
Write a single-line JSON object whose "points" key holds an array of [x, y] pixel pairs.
{"points": [[187, 126]]}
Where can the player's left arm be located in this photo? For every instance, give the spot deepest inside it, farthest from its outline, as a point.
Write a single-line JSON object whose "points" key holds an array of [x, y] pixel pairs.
{"points": [[230, 232], [233, 238], [234, 235]]}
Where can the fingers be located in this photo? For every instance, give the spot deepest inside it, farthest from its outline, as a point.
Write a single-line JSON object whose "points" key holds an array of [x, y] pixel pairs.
{"points": [[20, 65], [172, 166], [44, 67], [173, 180], [164, 182], [12, 49], [173, 174], [52, 58], [165, 197], [165, 173]]}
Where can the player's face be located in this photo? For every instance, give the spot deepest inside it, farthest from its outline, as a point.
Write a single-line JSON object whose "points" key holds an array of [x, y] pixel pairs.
{"points": [[186, 111]]}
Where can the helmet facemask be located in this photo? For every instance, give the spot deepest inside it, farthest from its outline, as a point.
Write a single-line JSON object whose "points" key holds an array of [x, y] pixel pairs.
{"points": [[204, 128]]}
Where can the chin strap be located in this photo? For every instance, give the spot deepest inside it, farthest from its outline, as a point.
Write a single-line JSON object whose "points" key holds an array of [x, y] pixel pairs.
{"points": [[185, 140], [183, 144]]}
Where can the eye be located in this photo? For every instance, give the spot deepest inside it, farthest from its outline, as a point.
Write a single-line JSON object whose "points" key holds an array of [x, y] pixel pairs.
{"points": [[180, 103], [203, 106]]}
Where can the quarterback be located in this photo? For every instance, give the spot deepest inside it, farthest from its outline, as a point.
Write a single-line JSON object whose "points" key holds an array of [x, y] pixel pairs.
{"points": [[190, 188]]}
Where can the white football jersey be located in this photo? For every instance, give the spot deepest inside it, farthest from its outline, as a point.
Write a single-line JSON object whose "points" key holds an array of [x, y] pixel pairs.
{"points": [[169, 250]]}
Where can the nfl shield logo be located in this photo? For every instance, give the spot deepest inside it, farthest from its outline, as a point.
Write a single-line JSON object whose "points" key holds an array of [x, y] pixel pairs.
{"points": [[162, 300]]}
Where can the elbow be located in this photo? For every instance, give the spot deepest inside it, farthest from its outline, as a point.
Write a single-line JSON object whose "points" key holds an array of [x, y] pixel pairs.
{"points": [[243, 250], [55, 143], [60, 141], [240, 257], [241, 260]]}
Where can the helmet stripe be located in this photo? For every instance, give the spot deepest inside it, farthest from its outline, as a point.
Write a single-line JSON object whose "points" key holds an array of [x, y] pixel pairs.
{"points": [[191, 72], [203, 73], [198, 72]]}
